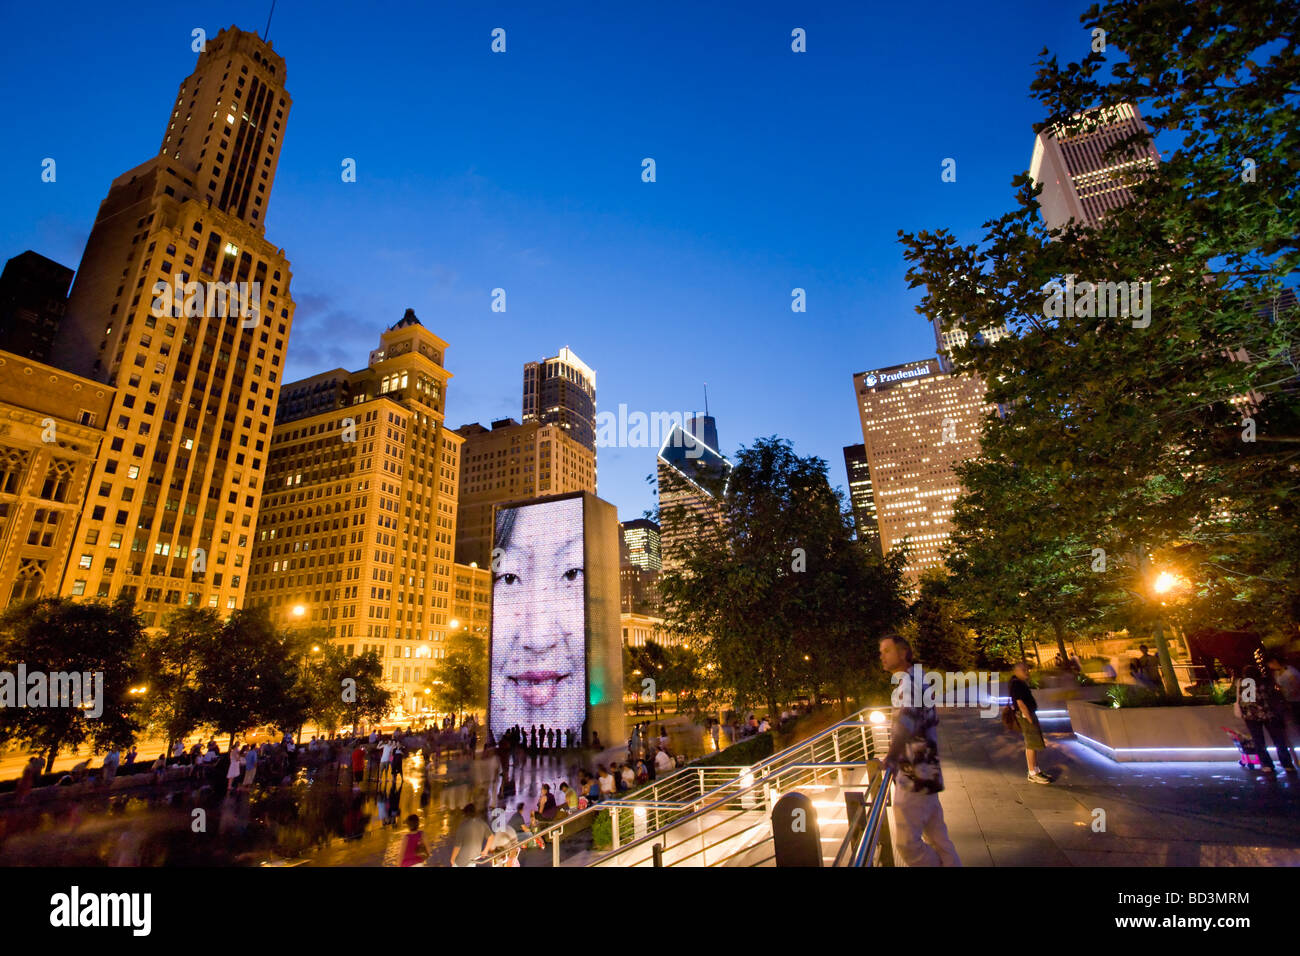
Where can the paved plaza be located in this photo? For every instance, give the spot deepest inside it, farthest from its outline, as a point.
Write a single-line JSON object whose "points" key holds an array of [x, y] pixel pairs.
{"points": [[1156, 814]]}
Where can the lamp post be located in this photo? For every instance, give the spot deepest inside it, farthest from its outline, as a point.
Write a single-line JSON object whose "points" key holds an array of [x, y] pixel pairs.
{"points": [[1162, 585]]}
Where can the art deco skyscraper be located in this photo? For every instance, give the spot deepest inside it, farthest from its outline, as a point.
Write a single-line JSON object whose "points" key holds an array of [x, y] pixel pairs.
{"points": [[174, 496]]}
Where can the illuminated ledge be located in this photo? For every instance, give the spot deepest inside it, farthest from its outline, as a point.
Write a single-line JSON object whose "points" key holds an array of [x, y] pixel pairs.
{"points": [[1151, 734], [1158, 754]]}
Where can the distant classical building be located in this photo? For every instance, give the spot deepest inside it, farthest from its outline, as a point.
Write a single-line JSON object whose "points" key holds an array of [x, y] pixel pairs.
{"points": [[509, 462], [918, 424], [638, 629], [33, 298], [861, 497], [1080, 181], [561, 390], [358, 520], [51, 429]]}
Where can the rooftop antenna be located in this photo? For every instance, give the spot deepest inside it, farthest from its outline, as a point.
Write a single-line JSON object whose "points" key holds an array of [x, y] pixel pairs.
{"points": [[706, 399], [267, 31]]}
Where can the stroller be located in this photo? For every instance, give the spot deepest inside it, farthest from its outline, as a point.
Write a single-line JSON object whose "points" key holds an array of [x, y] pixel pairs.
{"points": [[1245, 747]]}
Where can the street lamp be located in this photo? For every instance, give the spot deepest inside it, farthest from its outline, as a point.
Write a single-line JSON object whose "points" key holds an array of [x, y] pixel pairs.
{"points": [[1164, 582], [1161, 584], [298, 610]]}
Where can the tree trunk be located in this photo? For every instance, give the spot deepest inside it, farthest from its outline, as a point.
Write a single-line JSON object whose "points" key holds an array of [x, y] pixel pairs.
{"points": [[49, 759], [1060, 638], [1166, 662]]}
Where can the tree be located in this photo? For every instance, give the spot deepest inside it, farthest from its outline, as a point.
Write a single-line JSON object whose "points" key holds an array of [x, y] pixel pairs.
{"points": [[250, 675], [762, 582], [345, 690], [1173, 429], [51, 636], [938, 630], [1031, 571], [459, 679], [173, 658]]}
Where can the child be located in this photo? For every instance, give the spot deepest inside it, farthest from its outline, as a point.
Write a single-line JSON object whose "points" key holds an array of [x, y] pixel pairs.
{"points": [[415, 852]]}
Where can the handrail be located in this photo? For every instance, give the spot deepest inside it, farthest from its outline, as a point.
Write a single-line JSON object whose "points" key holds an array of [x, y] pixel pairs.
{"points": [[875, 819], [846, 845], [761, 783], [633, 799], [685, 780], [761, 773]]}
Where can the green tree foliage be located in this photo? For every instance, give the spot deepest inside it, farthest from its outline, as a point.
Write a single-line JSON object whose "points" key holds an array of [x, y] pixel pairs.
{"points": [[775, 577], [173, 658], [938, 631], [53, 635], [1131, 439], [459, 680], [251, 674], [343, 690]]}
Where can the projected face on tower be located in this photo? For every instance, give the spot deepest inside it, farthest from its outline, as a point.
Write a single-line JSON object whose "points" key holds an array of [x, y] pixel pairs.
{"points": [[538, 617]]}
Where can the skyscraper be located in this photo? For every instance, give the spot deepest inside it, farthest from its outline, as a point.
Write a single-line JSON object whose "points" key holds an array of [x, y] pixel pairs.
{"points": [[182, 305], [1080, 181], [641, 539], [561, 390], [946, 339], [691, 477], [918, 423], [509, 462], [639, 566], [358, 519], [861, 496], [33, 298]]}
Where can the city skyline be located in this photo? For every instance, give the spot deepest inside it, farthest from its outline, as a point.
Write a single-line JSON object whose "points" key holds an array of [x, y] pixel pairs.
{"points": [[691, 275]]}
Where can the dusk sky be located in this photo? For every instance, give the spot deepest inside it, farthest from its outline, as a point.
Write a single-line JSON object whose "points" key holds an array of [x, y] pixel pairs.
{"points": [[522, 170]]}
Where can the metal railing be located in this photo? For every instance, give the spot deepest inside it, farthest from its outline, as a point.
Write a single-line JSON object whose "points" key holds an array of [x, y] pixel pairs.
{"points": [[869, 830], [733, 820], [641, 817]]}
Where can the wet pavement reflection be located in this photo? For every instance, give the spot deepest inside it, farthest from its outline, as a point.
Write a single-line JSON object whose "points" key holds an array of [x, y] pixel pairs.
{"points": [[322, 818]]}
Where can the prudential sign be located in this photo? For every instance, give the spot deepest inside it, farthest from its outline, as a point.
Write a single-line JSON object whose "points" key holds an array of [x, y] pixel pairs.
{"points": [[884, 378]]}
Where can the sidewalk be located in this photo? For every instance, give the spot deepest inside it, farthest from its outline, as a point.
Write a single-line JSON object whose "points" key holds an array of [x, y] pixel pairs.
{"points": [[1156, 814]]}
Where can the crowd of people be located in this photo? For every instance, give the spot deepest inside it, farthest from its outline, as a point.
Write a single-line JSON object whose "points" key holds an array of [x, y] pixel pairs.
{"points": [[509, 825]]}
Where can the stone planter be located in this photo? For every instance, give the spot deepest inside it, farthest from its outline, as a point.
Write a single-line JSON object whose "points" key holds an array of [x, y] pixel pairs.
{"points": [[1138, 734]]}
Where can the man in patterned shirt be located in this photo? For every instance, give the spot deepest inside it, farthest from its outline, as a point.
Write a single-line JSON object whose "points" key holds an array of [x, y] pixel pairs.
{"points": [[922, 838]]}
